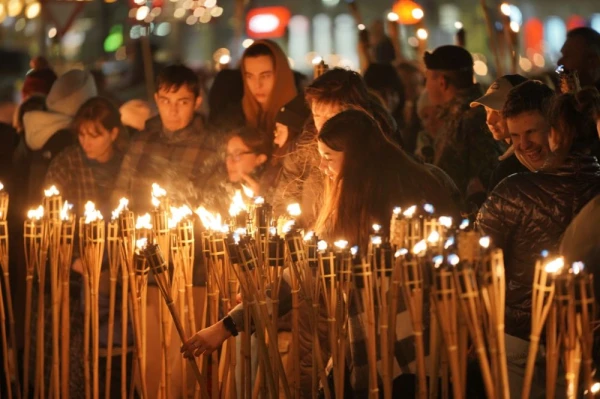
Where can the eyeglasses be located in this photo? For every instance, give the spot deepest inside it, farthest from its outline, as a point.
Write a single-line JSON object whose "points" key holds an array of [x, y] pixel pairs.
{"points": [[236, 157]]}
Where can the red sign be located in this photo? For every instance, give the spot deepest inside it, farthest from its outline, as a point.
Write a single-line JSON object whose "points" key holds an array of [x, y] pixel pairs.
{"points": [[267, 22]]}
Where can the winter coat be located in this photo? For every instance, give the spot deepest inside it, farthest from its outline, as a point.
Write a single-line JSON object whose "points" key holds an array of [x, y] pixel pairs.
{"points": [[528, 213]]}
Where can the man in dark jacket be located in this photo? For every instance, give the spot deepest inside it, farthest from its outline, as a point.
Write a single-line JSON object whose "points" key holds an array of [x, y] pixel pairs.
{"points": [[175, 150], [464, 149], [581, 53], [528, 212], [492, 102]]}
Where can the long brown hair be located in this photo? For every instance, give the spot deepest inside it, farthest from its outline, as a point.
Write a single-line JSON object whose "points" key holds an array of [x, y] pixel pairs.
{"points": [[376, 176], [284, 89]]}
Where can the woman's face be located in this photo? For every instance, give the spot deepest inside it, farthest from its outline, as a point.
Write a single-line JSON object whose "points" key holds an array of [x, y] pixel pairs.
{"points": [[281, 135], [241, 160], [331, 160], [322, 112], [97, 141]]}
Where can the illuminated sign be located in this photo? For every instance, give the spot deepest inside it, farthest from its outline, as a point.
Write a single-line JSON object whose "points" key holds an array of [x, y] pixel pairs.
{"points": [[267, 22]]}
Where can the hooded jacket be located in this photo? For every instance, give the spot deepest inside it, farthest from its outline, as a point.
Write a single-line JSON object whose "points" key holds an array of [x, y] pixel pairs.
{"points": [[284, 90], [528, 213]]}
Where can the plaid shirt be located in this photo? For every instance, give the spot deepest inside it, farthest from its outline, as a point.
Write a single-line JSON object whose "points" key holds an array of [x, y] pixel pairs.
{"points": [[80, 180], [185, 163]]}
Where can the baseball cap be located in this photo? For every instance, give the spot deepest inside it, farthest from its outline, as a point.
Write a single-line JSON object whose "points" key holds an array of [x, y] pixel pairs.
{"points": [[449, 58], [496, 94]]}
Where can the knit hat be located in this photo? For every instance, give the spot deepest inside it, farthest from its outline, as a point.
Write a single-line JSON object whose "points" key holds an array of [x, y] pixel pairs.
{"points": [[449, 58], [38, 81], [135, 113], [294, 113], [70, 91], [496, 95]]}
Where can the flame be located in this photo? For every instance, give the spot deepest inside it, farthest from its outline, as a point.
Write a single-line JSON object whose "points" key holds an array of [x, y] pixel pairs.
{"points": [[438, 260], [485, 242], [309, 236], [273, 231], [1, 186], [36, 214], [464, 224], [64, 212], [178, 214], [341, 244], [237, 204], [429, 208], [354, 250], [376, 228], [449, 243], [248, 192], [397, 210], [259, 201], [445, 221], [555, 266], [157, 193], [294, 210], [52, 191], [144, 222], [376, 240], [240, 231], [287, 227], [141, 243], [410, 212], [322, 245], [453, 259], [91, 213], [211, 221], [123, 203], [595, 388], [420, 247], [401, 252], [434, 237], [577, 267]]}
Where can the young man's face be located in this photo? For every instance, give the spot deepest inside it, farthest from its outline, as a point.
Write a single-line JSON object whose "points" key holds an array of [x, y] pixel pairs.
{"points": [[260, 77], [529, 132], [176, 107], [496, 124], [577, 56]]}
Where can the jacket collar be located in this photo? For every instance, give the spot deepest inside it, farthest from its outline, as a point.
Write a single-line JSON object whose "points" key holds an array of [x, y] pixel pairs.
{"points": [[577, 164], [194, 130]]}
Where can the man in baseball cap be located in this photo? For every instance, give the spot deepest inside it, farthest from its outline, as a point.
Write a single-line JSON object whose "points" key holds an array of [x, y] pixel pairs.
{"points": [[493, 101], [464, 149]]}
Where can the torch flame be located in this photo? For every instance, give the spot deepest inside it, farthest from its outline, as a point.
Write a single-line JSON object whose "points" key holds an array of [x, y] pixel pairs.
{"points": [[1, 186], [237, 204], [429, 208], [401, 252], [464, 224], [595, 388], [37, 213], [51, 191], [445, 221], [64, 212], [485, 242], [144, 222], [287, 227], [438, 260], [453, 259], [211, 221], [376, 228], [577, 267], [376, 240], [410, 212], [141, 243], [449, 243], [259, 201], [248, 192], [178, 214], [555, 266], [309, 236], [294, 210], [341, 244], [397, 210], [273, 231], [420, 247], [354, 250], [322, 245], [434, 237], [123, 203], [157, 193], [91, 213]]}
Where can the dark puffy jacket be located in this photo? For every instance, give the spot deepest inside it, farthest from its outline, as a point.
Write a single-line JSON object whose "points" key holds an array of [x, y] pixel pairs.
{"points": [[528, 213]]}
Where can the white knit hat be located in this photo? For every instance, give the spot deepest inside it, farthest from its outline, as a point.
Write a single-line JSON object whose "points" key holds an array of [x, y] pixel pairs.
{"points": [[70, 91], [135, 113]]}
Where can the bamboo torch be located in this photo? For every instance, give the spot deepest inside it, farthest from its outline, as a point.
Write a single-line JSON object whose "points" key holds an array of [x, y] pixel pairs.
{"points": [[143, 229], [114, 261], [87, 310], [4, 256], [39, 388], [67, 239], [585, 303], [94, 232], [34, 238], [153, 256], [542, 296]]}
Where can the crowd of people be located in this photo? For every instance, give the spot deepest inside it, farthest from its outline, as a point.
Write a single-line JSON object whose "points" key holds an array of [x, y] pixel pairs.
{"points": [[520, 159]]}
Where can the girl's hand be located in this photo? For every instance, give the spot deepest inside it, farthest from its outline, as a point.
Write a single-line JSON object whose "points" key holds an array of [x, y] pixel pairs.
{"points": [[205, 341]]}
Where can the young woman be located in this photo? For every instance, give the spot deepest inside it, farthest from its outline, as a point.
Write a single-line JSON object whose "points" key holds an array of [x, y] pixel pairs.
{"points": [[247, 160], [87, 171]]}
